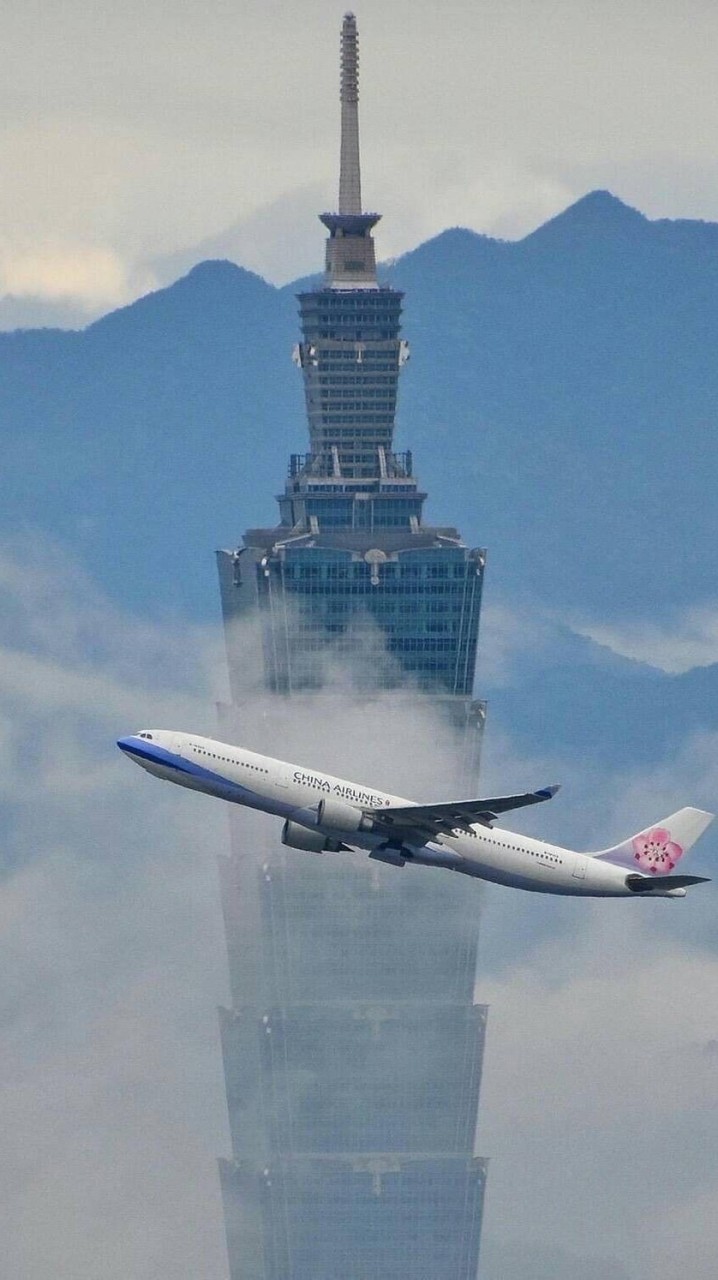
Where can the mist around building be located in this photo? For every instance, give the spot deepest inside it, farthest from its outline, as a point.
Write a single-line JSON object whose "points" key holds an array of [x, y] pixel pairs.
{"points": [[114, 960]]}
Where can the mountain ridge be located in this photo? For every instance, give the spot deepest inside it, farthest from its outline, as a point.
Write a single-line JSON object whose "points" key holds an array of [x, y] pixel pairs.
{"points": [[560, 406], [597, 209], [559, 403]]}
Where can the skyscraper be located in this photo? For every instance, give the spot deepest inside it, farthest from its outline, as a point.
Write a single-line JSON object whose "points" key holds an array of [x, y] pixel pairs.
{"points": [[353, 1047]]}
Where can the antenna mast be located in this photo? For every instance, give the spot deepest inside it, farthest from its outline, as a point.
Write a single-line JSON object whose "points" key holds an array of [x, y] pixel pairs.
{"points": [[349, 167]]}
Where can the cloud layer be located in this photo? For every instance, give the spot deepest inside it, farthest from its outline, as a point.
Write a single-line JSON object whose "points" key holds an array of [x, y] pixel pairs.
{"points": [[601, 1064], [110, 946], [599, 1094], [690, 642]]}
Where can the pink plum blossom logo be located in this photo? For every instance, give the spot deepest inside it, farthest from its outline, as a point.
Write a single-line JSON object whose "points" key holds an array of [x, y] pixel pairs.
{"points": [[655, 852]]}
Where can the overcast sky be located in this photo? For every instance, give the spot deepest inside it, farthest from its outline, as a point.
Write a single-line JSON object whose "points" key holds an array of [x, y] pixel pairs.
{"points": [[132, 130]]}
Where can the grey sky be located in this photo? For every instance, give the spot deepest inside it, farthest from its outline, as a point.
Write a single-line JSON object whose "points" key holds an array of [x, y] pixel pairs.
{"points": [[129, 131]]}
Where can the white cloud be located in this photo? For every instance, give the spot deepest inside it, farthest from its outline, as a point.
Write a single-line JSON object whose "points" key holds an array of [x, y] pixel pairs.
{"points": [[112, 955], [93, 276], [674, 647], [598, 1094], [600, 1070], [110, 1083]]}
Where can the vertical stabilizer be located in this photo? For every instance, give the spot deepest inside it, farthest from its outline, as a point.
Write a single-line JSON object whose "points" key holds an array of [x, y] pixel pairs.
{"points": [[658, 849]]}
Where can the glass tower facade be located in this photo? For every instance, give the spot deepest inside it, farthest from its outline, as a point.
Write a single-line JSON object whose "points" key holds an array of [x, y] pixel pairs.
{"points": [[353, 1045], [352, 1054]]}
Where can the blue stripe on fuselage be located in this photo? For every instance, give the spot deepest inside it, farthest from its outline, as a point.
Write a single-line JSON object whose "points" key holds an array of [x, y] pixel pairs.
{"points": [[154, 754]]}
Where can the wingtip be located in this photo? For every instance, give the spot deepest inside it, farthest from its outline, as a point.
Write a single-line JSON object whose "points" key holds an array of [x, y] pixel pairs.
{"points": [[547, 793]]}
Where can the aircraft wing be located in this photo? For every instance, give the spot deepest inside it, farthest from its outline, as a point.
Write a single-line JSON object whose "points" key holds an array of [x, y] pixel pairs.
{"points": [[430, 820]]}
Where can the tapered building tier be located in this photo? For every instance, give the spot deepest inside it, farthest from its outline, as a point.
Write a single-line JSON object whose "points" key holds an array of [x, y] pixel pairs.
{"points": [[353, 1053], [353, 1076], [414, 596], [383, 1217], [350, 357], [366, 1040]]}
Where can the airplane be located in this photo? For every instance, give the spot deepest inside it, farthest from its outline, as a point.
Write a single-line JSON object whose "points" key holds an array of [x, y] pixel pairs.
{"points": [[323, 814]]}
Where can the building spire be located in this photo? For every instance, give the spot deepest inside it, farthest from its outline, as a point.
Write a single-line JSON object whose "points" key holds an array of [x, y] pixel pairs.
{"points": [[350, 255], [349, 167]]}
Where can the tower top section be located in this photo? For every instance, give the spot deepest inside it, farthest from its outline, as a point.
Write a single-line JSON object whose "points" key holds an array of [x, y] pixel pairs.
{"points": [[350, 262], [349, 165], [351, 352]]}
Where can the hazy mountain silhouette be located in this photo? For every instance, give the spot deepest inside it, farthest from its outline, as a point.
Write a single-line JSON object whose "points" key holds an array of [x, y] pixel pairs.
{"points": [[574, 373], [561, 405]]}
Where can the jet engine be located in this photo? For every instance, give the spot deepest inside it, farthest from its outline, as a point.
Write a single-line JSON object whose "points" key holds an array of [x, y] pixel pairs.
{"points": [[295, 836], [339, 815]]}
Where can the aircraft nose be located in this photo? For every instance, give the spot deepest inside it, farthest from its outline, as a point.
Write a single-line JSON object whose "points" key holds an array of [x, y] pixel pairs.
{"points": [[126, 744]]}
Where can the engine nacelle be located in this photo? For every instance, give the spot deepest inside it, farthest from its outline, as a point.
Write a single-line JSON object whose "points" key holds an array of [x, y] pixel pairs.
{"points": [[339, 815], [295, 836]]}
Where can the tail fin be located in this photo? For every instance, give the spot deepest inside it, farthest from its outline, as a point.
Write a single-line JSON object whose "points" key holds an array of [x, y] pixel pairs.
{"points": [[658, 850]]}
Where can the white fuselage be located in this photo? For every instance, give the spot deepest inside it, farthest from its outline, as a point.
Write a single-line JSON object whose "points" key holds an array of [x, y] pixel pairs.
{"points": [[293, 793]]}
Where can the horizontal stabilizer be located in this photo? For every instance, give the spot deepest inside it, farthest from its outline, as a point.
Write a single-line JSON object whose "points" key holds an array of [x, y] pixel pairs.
{"points": [[648, 884]]}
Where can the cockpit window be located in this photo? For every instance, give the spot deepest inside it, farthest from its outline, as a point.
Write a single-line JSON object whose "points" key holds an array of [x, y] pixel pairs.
{"points": [[145, 735]]}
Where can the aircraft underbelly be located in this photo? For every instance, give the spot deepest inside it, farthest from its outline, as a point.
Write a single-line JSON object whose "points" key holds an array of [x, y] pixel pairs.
{"points": [[531, 881], [521, 870]]}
